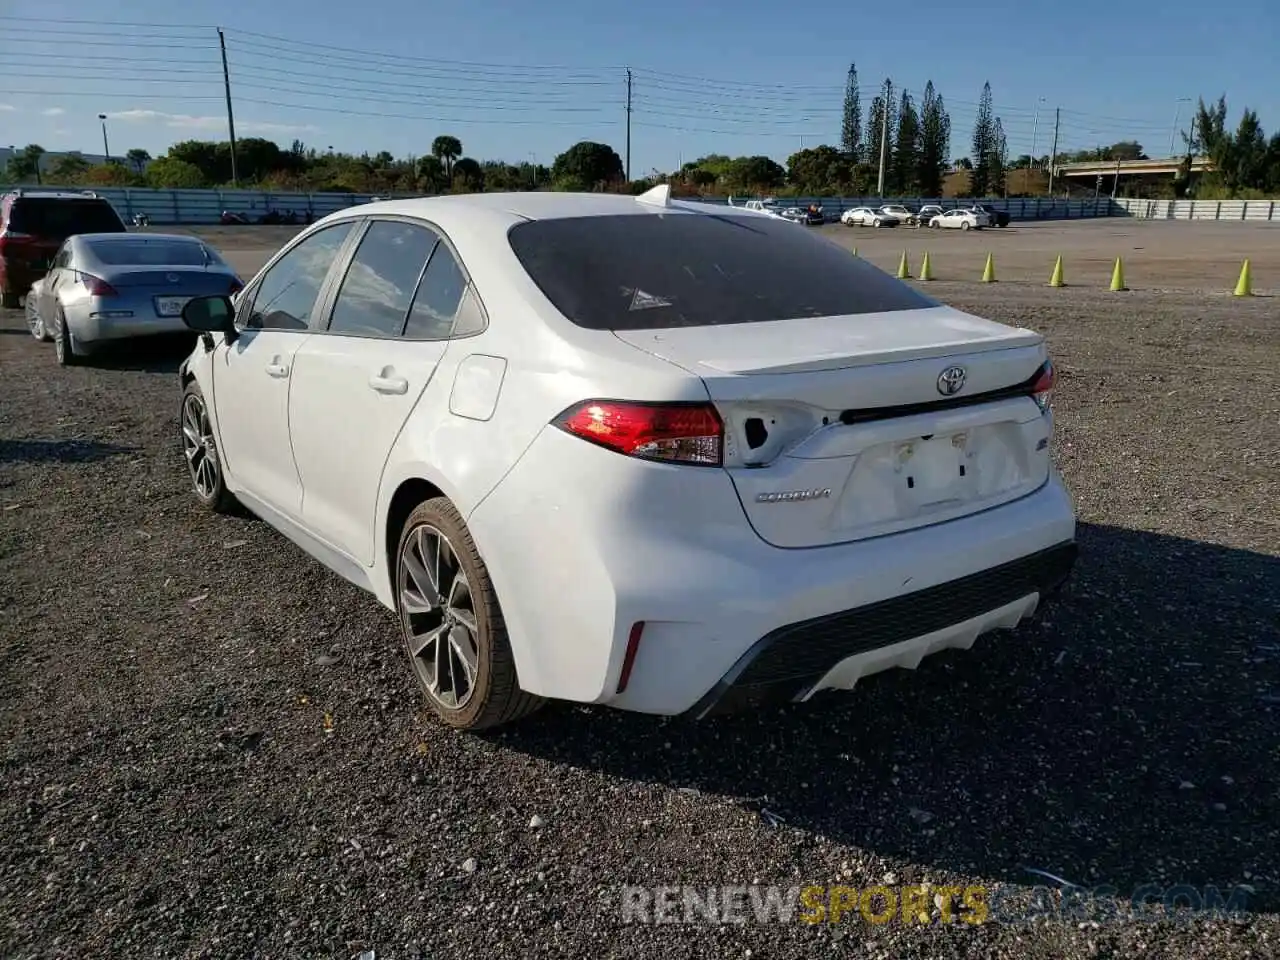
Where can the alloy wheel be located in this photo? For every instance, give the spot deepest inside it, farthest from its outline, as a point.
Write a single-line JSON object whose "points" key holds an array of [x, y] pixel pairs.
{"points": [[34, 323], [198, 446], [439, 615]]}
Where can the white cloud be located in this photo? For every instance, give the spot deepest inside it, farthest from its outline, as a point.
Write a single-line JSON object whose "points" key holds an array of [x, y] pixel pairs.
{"points": [[53, 112], [8, 108], [185, 121]]}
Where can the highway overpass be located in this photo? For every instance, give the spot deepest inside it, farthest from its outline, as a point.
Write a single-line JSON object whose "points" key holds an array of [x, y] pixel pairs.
{"points": [[1131, 168]]}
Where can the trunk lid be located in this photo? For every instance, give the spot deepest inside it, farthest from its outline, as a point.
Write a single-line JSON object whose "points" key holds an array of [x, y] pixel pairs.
{"points": [[178, 280], [838, 428]]}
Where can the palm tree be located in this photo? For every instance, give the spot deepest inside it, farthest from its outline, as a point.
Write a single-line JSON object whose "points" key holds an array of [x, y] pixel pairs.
{"points": [[447, 149], [138, 157]]}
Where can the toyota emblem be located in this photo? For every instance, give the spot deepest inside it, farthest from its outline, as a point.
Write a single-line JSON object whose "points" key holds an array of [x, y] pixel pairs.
{"points": [[951, 381], [174, 278]]}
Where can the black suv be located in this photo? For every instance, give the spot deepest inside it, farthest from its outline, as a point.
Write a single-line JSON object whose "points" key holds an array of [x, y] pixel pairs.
{"points": [[33, 225]]}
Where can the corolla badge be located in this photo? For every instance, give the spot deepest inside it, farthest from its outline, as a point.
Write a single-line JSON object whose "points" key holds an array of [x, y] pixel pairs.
{"points": [[794, 496], [951, 381]]}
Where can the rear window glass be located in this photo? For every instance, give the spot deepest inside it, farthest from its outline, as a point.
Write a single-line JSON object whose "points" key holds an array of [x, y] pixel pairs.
{"points": [[638, 271], [47, 217], [152, 253]]}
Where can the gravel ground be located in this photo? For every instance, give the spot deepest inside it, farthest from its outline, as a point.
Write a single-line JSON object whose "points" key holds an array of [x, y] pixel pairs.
{"points": [[211, 747]]}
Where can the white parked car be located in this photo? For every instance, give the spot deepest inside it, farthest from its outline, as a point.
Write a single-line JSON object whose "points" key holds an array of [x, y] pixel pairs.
{"points": [[959, 219], [866, 217], [662, 456]]}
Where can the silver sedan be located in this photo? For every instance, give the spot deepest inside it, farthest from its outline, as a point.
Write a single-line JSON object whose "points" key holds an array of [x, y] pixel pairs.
{"points": [[113, 286]]}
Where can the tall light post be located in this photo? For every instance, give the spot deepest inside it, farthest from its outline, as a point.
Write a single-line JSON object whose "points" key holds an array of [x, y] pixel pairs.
{"points": [[1035, 122], [106, 150], [1177, 114]]}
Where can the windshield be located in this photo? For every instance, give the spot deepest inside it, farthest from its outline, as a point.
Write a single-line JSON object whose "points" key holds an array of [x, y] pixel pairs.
{"points": [[57, 219], [651, 271], [138, 252]]}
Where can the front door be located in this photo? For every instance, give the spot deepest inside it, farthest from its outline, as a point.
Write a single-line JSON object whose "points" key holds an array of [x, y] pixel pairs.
{"points": [[356, 383], [252, 375]]}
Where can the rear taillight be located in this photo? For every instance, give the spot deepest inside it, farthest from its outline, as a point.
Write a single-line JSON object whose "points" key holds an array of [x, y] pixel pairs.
{"points": [[1042, 387], [236, 287], [11, 242], [96, 286], [690, 433]]}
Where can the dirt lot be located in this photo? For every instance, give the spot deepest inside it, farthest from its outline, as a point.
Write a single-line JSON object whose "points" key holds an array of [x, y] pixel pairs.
{"points": [[210, 747]]}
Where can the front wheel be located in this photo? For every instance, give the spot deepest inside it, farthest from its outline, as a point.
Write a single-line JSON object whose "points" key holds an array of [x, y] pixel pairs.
{"points": [[452, 624], [965, 225], [200, 450]]}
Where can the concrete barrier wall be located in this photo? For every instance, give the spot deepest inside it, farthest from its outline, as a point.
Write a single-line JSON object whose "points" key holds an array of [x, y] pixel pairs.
{"points": [[1226, 210], [194, 207]]}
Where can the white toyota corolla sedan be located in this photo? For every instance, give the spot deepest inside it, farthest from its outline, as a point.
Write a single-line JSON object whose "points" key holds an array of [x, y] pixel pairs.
{"points": [[668, 457]]}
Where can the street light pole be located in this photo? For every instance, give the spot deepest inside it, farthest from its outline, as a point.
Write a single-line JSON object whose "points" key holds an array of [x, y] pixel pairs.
{"points": [[1031, 161], [106, 150], [1177, 113]]}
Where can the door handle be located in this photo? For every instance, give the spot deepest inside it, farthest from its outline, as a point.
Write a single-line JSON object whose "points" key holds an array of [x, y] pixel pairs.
{"points": [[385, 384], [277, 369]]}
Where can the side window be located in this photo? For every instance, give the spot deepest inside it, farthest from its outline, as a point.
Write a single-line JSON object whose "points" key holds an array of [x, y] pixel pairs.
{"points": [[379, 284], [287, 294], [436, 303], [63, 257]]}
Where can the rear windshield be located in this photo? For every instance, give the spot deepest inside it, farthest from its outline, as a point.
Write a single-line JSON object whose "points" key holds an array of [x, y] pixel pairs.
{"points": [[168, 253], [47, 217], [636, 271]]}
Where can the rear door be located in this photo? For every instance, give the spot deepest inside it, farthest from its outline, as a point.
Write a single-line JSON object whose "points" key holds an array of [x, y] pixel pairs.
{"points": [[359, 377]]}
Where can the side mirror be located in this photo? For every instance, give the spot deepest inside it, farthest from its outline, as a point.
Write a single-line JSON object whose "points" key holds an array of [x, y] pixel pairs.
{"points": [[210, 314]]}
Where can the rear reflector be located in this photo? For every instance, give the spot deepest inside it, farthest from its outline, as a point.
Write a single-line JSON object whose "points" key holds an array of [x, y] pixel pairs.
{"points": [[629, 658], [689, 433]]}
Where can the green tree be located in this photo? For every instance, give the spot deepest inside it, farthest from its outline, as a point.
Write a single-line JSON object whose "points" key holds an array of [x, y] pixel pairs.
{"points": [[468, 177], [447, 150], [26, 164], [935, 142], [431, 174], [69, 168], [851, 124], [984, 145], [138, 158], [999, 159], [169, 173], [905, 159], [819, 171], [754, 175], [588, 165]]}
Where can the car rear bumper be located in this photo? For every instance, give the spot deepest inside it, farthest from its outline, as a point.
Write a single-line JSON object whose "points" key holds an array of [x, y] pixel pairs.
{"points": [[102, 320], [583, 544]]}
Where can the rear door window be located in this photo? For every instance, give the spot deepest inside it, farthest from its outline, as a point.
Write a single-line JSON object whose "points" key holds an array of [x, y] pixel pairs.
{"points": [[56, 219], [654, 271], [378, 288]]}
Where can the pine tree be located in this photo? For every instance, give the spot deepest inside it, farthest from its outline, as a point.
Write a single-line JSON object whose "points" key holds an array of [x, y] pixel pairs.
{"points": [[984, 143], [851, 128], [935, 142], [906, 150], [876, 130], [999, 158]]}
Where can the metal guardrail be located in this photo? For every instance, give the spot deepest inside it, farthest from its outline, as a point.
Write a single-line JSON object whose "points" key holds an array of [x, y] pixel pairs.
{"points": [[1255, 211]]}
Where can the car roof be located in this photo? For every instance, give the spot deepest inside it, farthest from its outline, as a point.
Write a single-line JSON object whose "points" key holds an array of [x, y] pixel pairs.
{"points": [[479, 215], [28, 194]]}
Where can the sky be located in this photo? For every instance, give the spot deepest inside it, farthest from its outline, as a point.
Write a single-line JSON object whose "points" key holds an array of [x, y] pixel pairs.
{"points": [[523, 81]]}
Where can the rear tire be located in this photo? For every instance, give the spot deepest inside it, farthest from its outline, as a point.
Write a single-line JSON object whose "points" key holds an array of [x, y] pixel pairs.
{"points": [[965, 225], [62, 346], [452, 624], [35, 324]]}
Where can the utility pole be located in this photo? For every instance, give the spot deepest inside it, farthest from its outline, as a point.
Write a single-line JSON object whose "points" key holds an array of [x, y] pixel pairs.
{"points": [[1053, 156], [884, 136], [231, 119], [628, 171]]}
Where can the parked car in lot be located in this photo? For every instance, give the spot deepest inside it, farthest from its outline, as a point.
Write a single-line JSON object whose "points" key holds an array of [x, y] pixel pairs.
{"points": [[33, 225], [959, 219], [928, 212], [113, 286], [866, 217], [630, 451], [995, 218], [900, 213]]}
